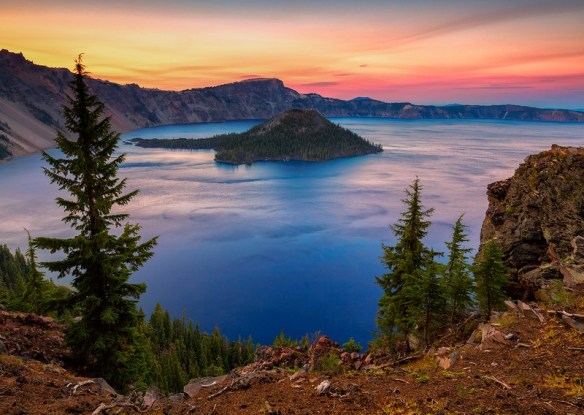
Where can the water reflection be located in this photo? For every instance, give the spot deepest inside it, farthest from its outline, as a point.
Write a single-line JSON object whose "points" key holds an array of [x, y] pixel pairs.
{"points": [[294, 246]]}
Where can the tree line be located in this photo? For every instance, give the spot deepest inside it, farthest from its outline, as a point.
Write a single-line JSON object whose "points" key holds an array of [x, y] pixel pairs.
{"points": [[422, 296], [166, 352]]}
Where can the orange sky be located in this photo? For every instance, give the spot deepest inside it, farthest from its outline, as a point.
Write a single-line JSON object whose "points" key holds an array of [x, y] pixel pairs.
{"points": [[442, 51]]}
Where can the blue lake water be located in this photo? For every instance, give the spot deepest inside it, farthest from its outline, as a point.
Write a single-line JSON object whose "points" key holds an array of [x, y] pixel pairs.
{"points": [[288, 245]]}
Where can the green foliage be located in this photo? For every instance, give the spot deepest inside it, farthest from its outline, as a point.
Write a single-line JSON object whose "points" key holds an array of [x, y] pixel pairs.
{"points": [[433, 300], [352, 346], [295, 135], [23, 288], [492, 277], [399, 310], [330, 364], [282, 341], [35, 285], [179, 351], [99, 260], [458, 280], [13, 269], [559, 296]]}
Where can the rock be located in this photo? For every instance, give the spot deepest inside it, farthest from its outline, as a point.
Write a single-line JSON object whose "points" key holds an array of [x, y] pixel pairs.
{"points": [[573, 274], [475, 337], [447, 362], [299, 374], [512, 307], [536, 216], [195, 385], [102, 384], [578, 245], [368, 359], [177, 398], [323, 387], [443, 351], [510, 336], [491, 337], [3, 348], [320, 349], [152, 395], [573, 323], [529, 312], [358, 364]]}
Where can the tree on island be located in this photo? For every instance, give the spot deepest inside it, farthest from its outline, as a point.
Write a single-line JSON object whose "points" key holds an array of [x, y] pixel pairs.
{"points": [[492, 277], [399, 307], [99, 260]]}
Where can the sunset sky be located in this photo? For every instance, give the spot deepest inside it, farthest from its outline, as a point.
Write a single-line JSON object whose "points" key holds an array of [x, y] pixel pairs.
{"points": [[424, 51]]}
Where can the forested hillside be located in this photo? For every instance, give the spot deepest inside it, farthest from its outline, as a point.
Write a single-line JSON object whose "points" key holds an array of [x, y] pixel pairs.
{"points": [[293, 135]]}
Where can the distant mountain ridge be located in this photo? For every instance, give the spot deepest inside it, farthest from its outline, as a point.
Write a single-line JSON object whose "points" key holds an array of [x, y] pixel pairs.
{"points": [[31, 98]]}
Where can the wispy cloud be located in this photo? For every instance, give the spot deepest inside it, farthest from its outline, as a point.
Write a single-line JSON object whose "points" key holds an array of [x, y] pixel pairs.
{"points": [[320, 84]]}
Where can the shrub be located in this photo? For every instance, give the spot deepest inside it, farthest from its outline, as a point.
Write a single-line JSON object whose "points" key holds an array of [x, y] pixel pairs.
{"points": [[352, 346]]}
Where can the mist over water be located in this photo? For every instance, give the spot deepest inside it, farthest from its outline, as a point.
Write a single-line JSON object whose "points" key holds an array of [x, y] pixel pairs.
{"points": [[288, 245]]}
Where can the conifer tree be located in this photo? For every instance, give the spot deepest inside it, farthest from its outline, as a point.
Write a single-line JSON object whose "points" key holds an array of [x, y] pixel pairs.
{"points": [[35, 284], [492, 277], [99, 260], [399, 306], [458, 281], [433, 299]]}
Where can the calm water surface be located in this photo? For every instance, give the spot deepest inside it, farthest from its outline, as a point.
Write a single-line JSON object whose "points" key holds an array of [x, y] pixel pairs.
{"points": [[288, 245]]}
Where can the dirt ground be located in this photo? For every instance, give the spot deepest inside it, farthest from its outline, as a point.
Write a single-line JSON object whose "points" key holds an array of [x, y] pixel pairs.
{"points": [[537, 369]]}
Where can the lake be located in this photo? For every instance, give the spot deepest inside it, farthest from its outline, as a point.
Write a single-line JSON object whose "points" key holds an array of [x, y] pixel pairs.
{"points": [[290, 246]]}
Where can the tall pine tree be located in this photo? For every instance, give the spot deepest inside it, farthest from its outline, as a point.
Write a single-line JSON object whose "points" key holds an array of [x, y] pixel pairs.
{"points": [[458, 281], [433, 299], [492, 277], [99, 260], [399, 310]]}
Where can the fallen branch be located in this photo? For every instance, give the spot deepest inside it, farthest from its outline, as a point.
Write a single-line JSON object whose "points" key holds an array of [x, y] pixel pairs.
{"points": [[74, 387], [570, 403], [225, 389], [578, 349], [494, 379], [401, 380], [407, 359]]}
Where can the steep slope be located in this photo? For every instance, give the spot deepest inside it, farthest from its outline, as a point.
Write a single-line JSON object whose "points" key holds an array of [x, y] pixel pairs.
{"points": [[292, 135], [537, 216], [31, 97], [519, 365]]}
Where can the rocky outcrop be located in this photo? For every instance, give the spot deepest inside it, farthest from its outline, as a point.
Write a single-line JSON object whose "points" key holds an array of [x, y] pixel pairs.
{"points": [[31, 98], [537, 217]]}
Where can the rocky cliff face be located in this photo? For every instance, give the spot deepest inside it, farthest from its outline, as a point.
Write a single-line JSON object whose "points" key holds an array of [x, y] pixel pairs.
{"points": [[537, 216], [31, 98]]}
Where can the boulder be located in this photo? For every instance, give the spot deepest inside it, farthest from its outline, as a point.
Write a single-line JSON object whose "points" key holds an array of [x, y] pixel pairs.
{"points": [[152, 395], [573, 274], [323, 387], [102, 384], [536, 217], [195, 385], [491, 337]]}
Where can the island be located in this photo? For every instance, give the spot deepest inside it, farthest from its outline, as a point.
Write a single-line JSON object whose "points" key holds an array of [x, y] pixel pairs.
{"points": [[297, 134]]}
